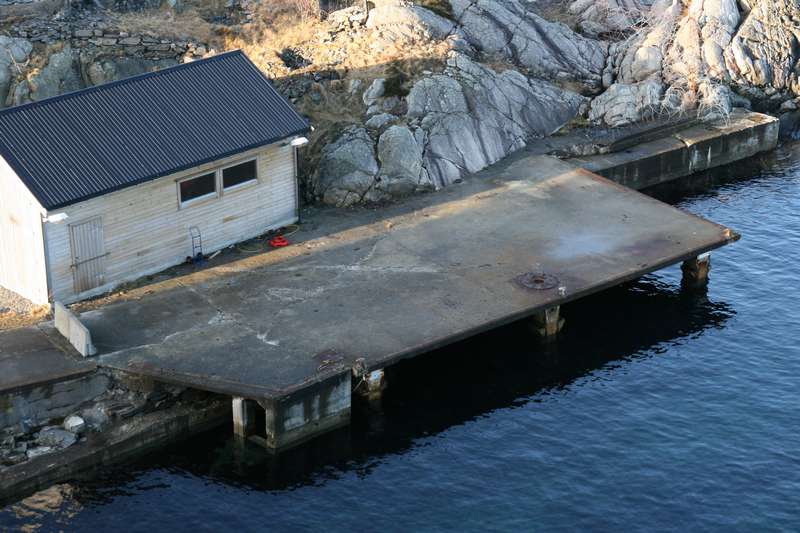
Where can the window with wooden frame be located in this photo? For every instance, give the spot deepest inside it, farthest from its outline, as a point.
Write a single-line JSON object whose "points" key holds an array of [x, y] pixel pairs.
{"points": [[214, 183], [197, 188], [239, 174]]}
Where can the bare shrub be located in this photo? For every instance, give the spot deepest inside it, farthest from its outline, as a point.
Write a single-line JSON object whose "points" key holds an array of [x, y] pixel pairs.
{"points": [[715, 101], [396, 81]]}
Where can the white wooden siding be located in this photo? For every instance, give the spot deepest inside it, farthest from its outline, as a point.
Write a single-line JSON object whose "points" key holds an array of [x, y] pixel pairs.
{"points": [[146, 230], [22, 265]]}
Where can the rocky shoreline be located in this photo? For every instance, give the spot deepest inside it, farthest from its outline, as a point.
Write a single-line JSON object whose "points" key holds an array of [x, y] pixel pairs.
{"points": [[110, 416], [99, 401], [120, 440]]}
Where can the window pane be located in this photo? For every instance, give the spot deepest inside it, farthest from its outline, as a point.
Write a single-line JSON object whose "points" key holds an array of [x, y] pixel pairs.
{"points": [[197, 187], [239, 174]]}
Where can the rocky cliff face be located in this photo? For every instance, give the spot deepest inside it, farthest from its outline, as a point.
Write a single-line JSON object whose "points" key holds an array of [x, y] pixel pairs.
{"points": [[508, 76], [549, 50], [458, 121], [703, 56]]}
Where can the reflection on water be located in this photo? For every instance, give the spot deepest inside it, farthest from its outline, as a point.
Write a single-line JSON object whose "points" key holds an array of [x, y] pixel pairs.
{"points": [[57, 500], [658, 409]]}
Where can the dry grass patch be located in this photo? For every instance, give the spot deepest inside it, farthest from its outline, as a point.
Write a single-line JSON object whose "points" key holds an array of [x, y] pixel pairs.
{"points": [[12, 320], [440, 7], [17, 312], [17, 13], [262, 41], [187, 25]]}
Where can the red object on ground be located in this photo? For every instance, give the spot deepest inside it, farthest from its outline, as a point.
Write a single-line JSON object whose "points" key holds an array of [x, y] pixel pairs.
{"points": [[279, 242]]}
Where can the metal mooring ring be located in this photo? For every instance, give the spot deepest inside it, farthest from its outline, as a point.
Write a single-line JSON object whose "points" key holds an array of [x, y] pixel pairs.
{"points": [[536, 281]]}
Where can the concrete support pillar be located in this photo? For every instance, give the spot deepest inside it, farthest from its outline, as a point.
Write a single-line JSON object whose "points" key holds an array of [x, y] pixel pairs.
{"points": [[244, 417], [548, 323], [307, 413], [695, 271]]}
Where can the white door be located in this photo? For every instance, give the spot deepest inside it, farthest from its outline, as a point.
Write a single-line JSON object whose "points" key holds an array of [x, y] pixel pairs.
{"points": [[88, 254]]}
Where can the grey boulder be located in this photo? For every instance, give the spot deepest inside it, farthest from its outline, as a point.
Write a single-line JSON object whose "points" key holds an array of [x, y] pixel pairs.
{"points": [[347, 169], [56, 438], [624, 103], [13, 53], [60, 75], [400, 156], [407, 18]]}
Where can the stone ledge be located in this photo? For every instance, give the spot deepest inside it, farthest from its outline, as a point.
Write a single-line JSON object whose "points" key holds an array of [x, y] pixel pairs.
{"points": [[124, 440]]}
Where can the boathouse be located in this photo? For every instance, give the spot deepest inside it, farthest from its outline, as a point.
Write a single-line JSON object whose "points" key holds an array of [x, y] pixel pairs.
{"points": [[122, 180]]}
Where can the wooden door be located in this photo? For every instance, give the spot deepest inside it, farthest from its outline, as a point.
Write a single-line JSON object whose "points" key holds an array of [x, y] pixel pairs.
{"points": [[88, 254]]}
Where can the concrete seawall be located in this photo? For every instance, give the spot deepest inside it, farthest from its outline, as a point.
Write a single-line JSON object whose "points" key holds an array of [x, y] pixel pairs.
{"points": [[48, 401], [685, 152], [42, 377], [123, 441]]}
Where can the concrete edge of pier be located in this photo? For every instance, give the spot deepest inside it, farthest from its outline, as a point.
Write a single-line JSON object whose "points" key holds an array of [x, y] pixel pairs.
{"points": [[685, 151], [629, 276]]}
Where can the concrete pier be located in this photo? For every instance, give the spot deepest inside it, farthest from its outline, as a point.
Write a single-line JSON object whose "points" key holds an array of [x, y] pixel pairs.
{"points": [[369, 288], [307, 412], [42, 377]]}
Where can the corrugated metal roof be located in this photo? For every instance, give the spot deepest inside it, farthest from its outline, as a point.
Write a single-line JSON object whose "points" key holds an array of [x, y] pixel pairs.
{"points": [[88, 143]]}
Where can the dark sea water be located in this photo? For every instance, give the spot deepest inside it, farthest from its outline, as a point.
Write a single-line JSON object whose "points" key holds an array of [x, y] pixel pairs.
{"points": [[657, 411]]}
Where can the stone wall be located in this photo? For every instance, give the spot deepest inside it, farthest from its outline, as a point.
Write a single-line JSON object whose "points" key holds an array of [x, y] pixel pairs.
{"points": [[67, 53], [87, 31]]}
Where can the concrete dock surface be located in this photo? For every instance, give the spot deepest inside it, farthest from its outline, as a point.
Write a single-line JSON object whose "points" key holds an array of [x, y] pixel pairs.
{"points": [[38, 356], [385, 285]]}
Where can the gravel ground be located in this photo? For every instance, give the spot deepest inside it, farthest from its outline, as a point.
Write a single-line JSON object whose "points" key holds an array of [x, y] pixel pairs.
{"points": [[11, 301], [16, 311]]}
